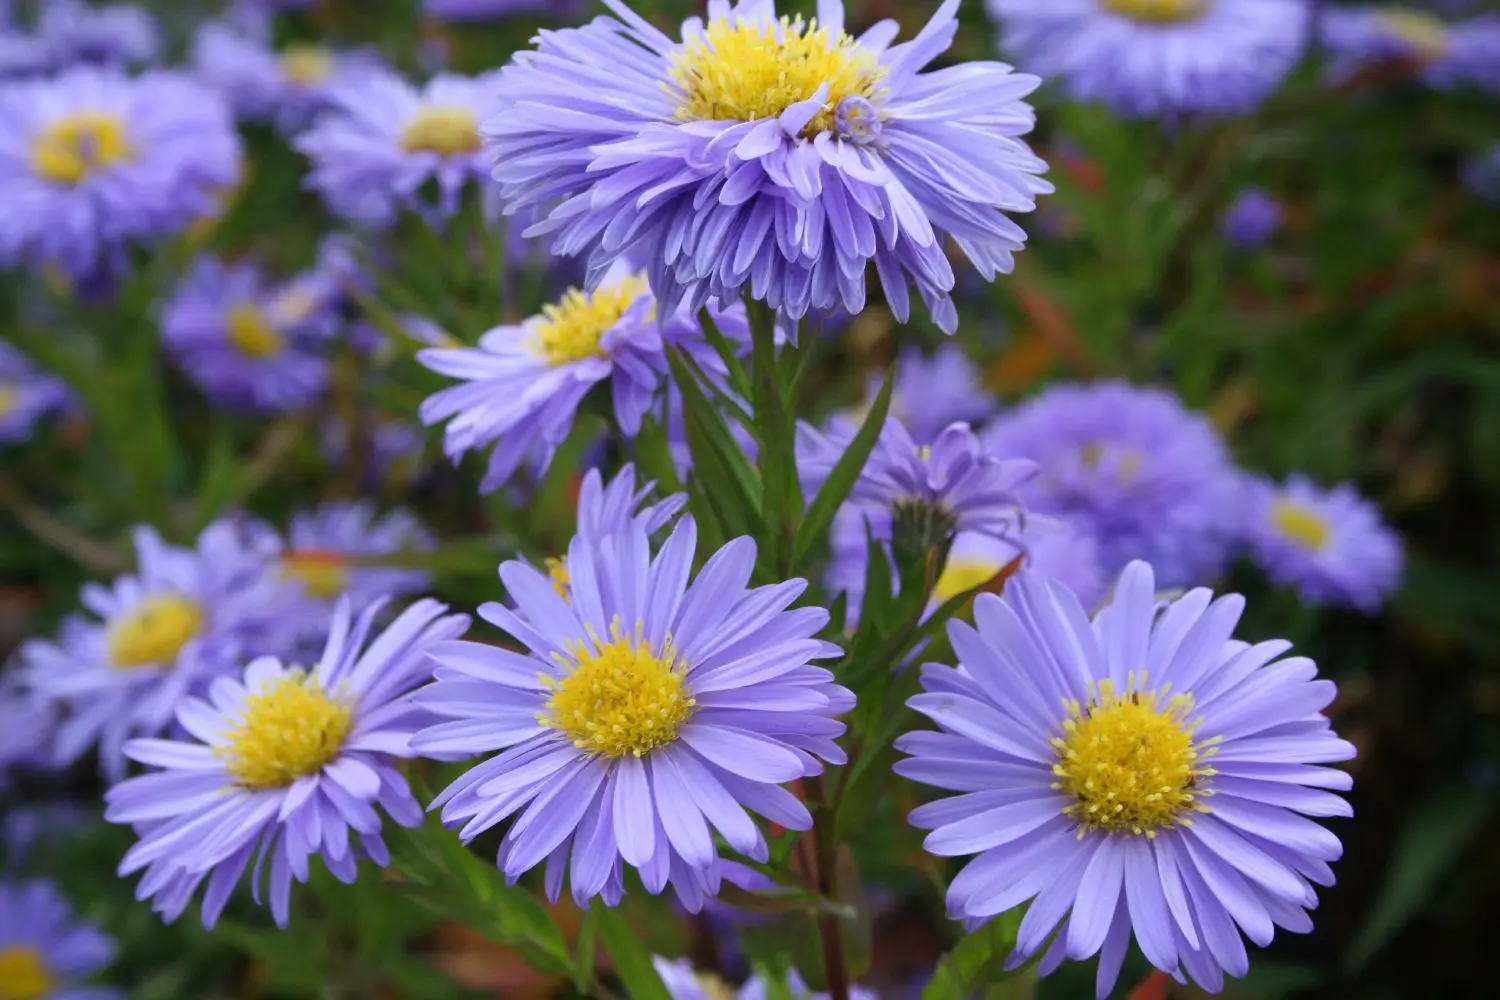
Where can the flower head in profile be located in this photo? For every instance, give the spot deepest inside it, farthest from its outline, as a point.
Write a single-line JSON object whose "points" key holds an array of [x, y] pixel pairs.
{"points": [[383, 141], [1158, 58], [520, 388], [646, 710], [1143, 773], [26, 395], [115, 35], [286, 86], [683, 982], [769, 153], [1145, 476], [93, 161], [46, 953], [248, 344], [1448, 54], [184, 617], [1331, 545], [283, 764]]}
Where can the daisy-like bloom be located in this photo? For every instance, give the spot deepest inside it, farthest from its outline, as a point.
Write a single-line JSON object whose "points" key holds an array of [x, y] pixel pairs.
{"points": [[1251, 219], [1450, 54], [644, 711], [248, 345], [1157, 58], [522, 385], [1331, 545], [1142, 773], [118, 35], [26, 395], [683, 982], [383, 140], [92, 160], [287, 87], [283, 765], [772, 154], [1146, 477], [45, 952], [183, 618], [610, 509], [326, 548]]}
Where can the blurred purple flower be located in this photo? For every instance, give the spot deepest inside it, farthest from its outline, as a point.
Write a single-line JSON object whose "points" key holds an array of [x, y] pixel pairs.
{"points": [[1450, 53], [115, 35], [26, 395], [1251, 219]]}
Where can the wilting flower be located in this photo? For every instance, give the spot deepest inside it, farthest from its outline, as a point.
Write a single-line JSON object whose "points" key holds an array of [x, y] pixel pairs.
{"points": [[1450, 54], [1156, 58], [683, 982], [382, 141], [521, 387], [779, 156], [287, 87], [1146, 477], [1142, 773], [92, 160], [183, 618], [249, 345], [45, 952], [645, 710], [26, 395], [1331, 545], [285, 764], [1251, 219], [115, 35]]}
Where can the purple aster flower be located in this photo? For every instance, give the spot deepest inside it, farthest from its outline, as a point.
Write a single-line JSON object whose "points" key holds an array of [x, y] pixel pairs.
{"points": [[45, 952], [116, 35], [1251, 219], [608, 510], [249, 346], [27, 724], [284, 764], [1156, 58], [1146, 477], [1142, 773], [932, 392], [24, 828], [287, 87], [818, 155], [491, 10], [521, 387], [683, 982], [26, 395], [645, 710], [183, 618], [91, 160], [1451, 54], [383, 141], [1329, 544], [21, 55]]}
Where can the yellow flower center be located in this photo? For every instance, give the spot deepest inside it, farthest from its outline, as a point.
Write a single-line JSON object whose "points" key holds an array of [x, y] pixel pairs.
{"points": [[618, 697], [10, 398], [252, 334], [557, 570], [1301, 524], [1158, 11], [442, 129], [712, 987], [744, 71], [23, 974], [960, 575], [306, 65], [154, 631], [74, 146], [1129, 763], [570, 330], [290, 730], [1427, 34], [323, 573]]}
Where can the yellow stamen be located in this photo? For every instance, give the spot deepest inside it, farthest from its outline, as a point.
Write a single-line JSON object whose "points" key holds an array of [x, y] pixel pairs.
{"points": [[618, 697], [1128, 761], [71, 148], [570, 331], [10, 399], [1425, 33], [23, 974], [293, 728], [306, 65], [1301, 524], [1159, 11], [442, 129], [252, 334], [960, 575], [154, 631], [557, 571], [323, 573], [711, 987], [744, 71]]}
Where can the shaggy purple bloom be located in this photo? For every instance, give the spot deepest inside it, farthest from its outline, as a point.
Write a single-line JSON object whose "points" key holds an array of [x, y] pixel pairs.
{"points": [[115, 35], [1144, 773], [283, 765], [522, 385], [1147, 478], [45, 952], [26, 395], [1331, 545], [1451, 54], [382, 141], [287, 87], [683, 982], [645, 712], [1158, 58], [1251, 219], [183, 618], [248, 345], [817, 156], [92, 160]]}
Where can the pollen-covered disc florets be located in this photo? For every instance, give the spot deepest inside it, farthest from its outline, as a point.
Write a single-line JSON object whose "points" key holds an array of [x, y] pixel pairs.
{"points": [[618, 696], [571, 329], [289, 730], [154, 631]]}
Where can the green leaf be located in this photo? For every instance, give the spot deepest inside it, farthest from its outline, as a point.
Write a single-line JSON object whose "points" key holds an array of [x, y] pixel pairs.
{"points": [[632, 962], [739, 382], [976, 961], [588, 937], [730, 482], [841, 480], [775, 431]]}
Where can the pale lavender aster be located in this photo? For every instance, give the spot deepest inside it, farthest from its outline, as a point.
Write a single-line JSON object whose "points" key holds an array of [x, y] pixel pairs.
{"points": [[647, 709], [248, 344], [1449, 53], [26, 727], [683, 982], [1144, 773], [1158, 58], [1331, 545], [46, 952], [183, 618], [92, 161], [283, 765], [820, 155], [1132, 466], [26, 395], [1251, 219], [287, 87], [116, 34]]}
